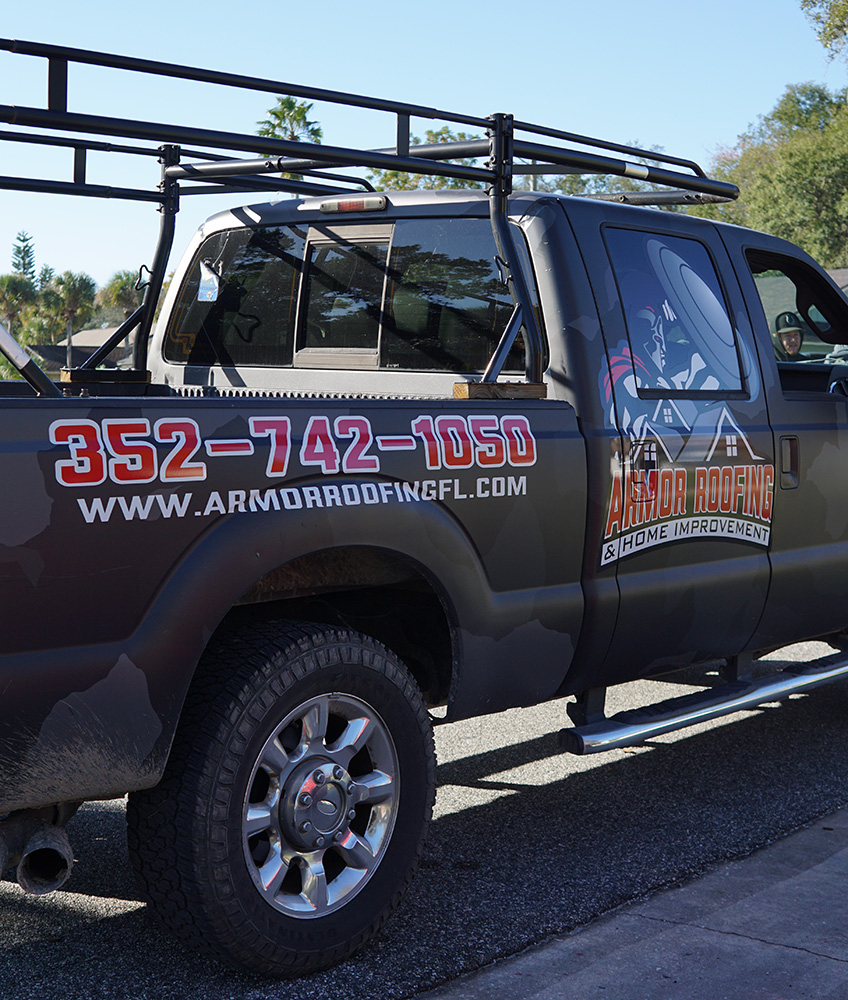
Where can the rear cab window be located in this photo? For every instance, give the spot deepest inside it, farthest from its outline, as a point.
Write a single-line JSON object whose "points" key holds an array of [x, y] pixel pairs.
{"points": [[415, 295]]}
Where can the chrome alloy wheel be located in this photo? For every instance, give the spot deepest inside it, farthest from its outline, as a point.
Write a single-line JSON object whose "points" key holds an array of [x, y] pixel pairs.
{"points": [[320, 806]]}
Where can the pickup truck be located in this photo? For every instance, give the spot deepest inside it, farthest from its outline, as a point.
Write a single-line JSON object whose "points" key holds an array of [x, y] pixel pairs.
{"points": [[382, 453]]}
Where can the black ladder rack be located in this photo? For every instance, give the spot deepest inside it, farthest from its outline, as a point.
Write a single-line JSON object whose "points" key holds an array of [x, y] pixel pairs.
{"points": [[211, 170]]}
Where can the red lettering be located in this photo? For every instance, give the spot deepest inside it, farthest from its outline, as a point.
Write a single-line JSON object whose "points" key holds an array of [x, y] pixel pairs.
{"points": [[318, 446], [455, 442], [614, 515], [355, 459], [700, 490], [491, 447], [679, 492], [133, 461], [87, 464], [186, 436]]}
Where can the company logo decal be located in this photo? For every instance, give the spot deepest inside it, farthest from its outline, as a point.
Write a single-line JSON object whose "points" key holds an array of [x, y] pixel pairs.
{"points": [[688, 471]]}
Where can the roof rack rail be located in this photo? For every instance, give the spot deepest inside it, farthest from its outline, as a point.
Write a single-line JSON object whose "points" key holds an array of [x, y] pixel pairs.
{"points": [[211, 169], [659, 197]]}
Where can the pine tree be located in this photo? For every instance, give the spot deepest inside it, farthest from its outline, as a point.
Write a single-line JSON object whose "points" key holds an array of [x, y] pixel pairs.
{"points": [[23, 257]]}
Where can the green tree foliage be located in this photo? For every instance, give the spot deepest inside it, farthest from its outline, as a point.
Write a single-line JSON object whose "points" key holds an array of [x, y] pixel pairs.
{"points": [[398, 180], [288, 119], [16, 293], [23, 256], [792, 171], [830, 19], [75, 302], [45, 277], [121, 292], [803, 107]]}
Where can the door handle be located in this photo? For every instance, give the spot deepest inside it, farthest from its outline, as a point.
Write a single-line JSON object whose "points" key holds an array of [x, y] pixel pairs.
{"points": [[789, 462]]}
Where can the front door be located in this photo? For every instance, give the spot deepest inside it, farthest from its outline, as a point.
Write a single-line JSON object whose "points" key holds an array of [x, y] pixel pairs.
{"points": [[800, 319]]}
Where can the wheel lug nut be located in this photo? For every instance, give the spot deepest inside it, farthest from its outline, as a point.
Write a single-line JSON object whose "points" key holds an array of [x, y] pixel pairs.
{"points": [[351, 814], [305, 827], [350, 789], [319, 841], [306, 800], [338, 836], [338, 773], [318, 778]]}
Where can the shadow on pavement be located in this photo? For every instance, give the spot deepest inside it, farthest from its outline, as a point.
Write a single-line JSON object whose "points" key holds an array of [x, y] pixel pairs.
{"points": [[541, 859]]}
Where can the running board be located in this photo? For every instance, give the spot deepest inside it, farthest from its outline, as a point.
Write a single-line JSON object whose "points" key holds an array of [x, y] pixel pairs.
{"points": [[630, 728]]}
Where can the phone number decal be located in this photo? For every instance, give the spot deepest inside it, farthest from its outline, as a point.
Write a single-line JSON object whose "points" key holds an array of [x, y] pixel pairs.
{"points": [[172, 450]]}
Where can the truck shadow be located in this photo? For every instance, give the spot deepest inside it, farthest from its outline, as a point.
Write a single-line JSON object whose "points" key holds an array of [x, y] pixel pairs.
{"points": [[542, 856]]}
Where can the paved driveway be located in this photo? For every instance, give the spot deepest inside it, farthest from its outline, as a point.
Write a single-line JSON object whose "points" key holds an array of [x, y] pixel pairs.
{"points": [[527, 843]]}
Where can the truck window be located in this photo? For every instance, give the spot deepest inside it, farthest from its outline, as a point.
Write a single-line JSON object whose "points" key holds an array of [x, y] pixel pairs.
{"points": [[445, 305], [419, 295], [427, 296], [807, 319], [678, 325], [344, 290], [237, 304]]}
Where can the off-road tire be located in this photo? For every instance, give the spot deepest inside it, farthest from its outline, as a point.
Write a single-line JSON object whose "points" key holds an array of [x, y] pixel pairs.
{"points": [[190, 837]]}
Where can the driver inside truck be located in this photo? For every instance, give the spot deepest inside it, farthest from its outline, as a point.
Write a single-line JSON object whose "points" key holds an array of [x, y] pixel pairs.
{"points": [[788, 337]]}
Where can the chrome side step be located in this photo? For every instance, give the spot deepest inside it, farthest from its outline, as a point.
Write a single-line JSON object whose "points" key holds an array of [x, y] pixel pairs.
{"points": [[637, 725]]}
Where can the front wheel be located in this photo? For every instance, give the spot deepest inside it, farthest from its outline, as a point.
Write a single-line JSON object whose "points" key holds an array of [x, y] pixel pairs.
{"points": [[293, 810]]}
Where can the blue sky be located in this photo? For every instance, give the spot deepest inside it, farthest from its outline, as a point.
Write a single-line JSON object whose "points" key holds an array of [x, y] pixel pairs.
{"points": [[685, 76]]}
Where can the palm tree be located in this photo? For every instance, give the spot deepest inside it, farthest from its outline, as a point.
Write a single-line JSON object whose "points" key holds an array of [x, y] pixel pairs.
{"points": [[122, 291], [287, 120], [76, 302], [16, 292]]}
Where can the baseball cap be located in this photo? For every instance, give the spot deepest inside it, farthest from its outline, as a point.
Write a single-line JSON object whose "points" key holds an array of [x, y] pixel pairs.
{"points": [[785, 322]]}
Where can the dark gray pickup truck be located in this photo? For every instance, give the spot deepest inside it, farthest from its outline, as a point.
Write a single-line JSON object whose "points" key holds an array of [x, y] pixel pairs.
{"points": [[384, 452]]}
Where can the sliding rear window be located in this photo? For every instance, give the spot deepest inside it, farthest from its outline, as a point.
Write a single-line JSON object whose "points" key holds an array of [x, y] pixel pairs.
{"points": [[417, 295]]}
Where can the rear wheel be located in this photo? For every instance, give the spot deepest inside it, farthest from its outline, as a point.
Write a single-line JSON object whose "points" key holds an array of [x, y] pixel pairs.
{"points": [[293, 810]]}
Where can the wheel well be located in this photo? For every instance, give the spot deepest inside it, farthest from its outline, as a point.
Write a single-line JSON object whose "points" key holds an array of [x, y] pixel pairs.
{"points": [[375, 592]]}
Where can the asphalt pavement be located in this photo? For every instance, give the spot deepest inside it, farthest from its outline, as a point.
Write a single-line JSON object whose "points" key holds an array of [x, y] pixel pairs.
{"points": [[697, 865]]}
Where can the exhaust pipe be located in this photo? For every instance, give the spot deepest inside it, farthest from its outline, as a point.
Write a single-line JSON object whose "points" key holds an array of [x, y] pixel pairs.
{"points": [[46, 861]]}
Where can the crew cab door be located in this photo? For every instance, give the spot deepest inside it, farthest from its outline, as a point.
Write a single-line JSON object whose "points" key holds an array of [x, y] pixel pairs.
{"points": [[809, 416], [691, 475]]}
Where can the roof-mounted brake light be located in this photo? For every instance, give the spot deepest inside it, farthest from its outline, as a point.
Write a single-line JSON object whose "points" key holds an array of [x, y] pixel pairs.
{"points": [[372, 203]]}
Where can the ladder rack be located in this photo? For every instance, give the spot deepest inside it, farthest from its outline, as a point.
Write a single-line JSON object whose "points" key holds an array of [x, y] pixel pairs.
{"points": [[193, 162]]}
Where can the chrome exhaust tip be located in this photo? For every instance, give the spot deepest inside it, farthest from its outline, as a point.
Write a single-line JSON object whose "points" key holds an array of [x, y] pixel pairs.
{"points": [[46, 861]]}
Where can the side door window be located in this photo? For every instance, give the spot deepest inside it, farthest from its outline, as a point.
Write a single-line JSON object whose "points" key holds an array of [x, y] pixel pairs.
{"points": [[807, 319], [681, 337], [808, 413]]}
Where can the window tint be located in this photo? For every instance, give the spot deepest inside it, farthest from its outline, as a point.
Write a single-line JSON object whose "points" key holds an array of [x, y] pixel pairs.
{"points": [[677, 322], [805, 316], [419, 295], [445, 305], [237, 305], [344, 292]]}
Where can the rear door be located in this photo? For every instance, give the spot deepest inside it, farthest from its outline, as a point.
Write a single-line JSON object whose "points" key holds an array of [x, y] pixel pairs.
{"points": [[689, 506]]}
